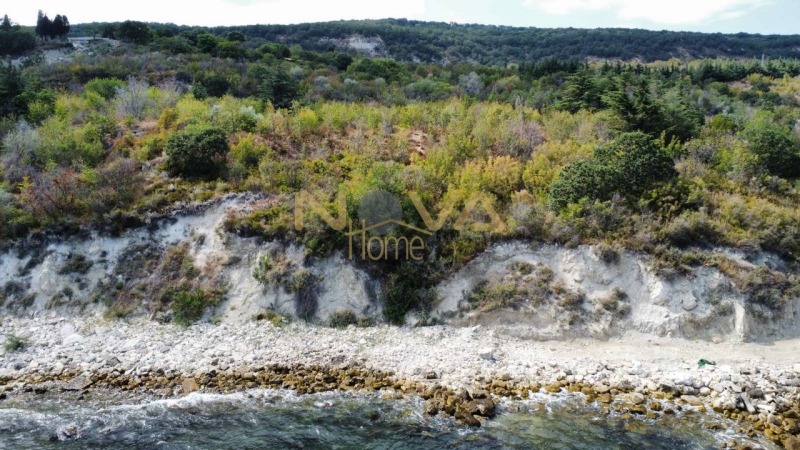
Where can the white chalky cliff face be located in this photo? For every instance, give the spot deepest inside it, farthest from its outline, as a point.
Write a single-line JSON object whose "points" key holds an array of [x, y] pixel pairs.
{"points": [[700, 305]]}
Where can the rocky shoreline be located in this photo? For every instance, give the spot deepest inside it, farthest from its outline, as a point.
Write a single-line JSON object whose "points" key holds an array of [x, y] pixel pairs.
{"points": [[460, 372]]}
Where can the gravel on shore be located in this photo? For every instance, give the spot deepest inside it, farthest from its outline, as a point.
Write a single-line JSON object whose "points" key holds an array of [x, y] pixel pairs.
{"points": [[756, 384]]}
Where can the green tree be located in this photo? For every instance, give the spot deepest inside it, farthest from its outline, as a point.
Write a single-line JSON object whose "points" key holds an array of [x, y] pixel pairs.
{"points": [[212, 86], [13, 39], [778, 152], [637, 110], [231, 49], [11, 87], [60, 27], [197, 153], [236, 36], [206, 42], [580, 92], [277, 85], [43, 26], [586, 178], [628, 166], [277, 50], [372, 68], [104, 87], [134, 32]]}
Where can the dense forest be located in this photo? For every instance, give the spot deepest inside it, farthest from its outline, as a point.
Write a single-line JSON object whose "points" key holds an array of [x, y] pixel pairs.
{"points": [[668, 158], [14, 39], [409, 40]]}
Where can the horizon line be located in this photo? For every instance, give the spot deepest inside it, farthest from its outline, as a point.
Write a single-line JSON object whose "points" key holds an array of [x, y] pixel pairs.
{"points": [[453, 24]]}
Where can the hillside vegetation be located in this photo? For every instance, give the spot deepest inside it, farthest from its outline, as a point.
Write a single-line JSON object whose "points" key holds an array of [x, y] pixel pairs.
{"points": [[410, 40], [667, 159]]}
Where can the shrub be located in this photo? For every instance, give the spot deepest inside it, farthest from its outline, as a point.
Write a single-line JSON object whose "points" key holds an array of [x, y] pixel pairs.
{"points": [[768, 288], [471, 83], [133, 99], [723, 122], [407, 288], [249, 151], [38, 111], [301, 280], [119, 310], [115, 186], [606, 253], [305, 122], [63, 143], [342, 319], [629, 165], [304, 285], [427, 89], [15, 343], [197, 153], [274, 269], [273, 317], [188, 305], [104, 87], [56, 196], [213, 86], [233, 116], [372, 68], [615, 302], [690, 228], [21, 151], [75, 263], [778, 152], [582, 179], [13, 222], [488, 296]]}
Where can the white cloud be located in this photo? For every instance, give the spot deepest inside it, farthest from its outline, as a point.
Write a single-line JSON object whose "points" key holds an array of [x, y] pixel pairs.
{"points": [[673, 12], [219, 12]]}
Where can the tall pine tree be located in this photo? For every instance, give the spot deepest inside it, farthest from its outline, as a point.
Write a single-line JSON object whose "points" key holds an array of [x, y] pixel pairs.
{"points": [[43, 26], [580, 92], [58, 29]]}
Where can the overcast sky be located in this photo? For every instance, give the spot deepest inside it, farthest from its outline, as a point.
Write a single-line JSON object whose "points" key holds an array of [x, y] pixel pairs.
{"points": [[753, 16]]}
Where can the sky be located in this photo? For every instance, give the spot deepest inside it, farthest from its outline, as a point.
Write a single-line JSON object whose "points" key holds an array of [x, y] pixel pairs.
{"points": [[725, 16]]}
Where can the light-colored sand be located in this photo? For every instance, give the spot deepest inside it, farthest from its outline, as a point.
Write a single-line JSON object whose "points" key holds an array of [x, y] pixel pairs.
{"points": [[460, 356]]}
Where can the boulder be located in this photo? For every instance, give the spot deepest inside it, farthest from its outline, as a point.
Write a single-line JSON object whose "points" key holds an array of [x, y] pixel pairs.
{"points": [[77, 384], [483, 407], [635, 398], [68, 433], [463, 415], [72, 339], [791, 443], [189, 385]]}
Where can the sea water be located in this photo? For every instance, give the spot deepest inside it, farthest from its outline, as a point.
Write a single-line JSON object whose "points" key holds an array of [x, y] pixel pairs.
{"points": [[265, 419]]}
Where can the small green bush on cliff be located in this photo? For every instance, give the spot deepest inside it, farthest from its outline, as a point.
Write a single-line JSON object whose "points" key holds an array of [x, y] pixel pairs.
{"points": [[407, 289], [342, 319], [197, 153], [15, 343], [188, 305]]}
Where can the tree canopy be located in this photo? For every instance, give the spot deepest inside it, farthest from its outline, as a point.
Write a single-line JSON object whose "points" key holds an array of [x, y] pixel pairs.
{"points": [[13, 39], [59, 27]]}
